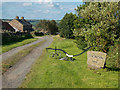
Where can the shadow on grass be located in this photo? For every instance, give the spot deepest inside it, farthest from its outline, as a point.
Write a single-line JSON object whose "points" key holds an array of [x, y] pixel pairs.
{"points": [[112, 69], [73, 59]]}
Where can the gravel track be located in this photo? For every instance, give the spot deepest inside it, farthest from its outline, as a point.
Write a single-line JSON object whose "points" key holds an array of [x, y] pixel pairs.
{"points": [[10, 53], [16, 74]]}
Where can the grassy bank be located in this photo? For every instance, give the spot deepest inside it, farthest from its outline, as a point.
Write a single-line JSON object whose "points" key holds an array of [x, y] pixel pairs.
{"points": [[48, 72], [6, 48], [18, 56]]}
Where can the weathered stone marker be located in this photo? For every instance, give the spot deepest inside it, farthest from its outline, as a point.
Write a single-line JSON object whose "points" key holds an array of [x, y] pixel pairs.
{"points": [[95, 59]]}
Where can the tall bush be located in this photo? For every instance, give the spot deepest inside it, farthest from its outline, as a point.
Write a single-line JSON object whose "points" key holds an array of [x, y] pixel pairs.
{"points": [[104, 28], [66, 25]]}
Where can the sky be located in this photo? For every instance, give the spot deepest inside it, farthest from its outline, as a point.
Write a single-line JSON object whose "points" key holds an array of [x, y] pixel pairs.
{"points": [[43, 9]]}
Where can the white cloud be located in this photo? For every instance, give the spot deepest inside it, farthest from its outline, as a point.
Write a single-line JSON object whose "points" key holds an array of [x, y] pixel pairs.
{"points": [[71, 9], [40, 1], [49, 3], [47, 11], [57, 3], [45, 1], [18, 0], [36, 11], [61, 8], [58, 12], [27, 4]]}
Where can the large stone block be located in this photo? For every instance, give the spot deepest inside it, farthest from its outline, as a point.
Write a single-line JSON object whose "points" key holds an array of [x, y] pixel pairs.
{"points": [[95, 59]]}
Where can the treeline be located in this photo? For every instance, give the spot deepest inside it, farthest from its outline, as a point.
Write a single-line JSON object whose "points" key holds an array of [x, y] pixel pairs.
{"points": [[95, 24], [47, 27]]}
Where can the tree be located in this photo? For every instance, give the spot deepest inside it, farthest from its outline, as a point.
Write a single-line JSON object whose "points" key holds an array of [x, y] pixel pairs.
{"points": [[104, 27], [41, 25], [66, 25], [47, 26], [52, 27], [99, 24]]}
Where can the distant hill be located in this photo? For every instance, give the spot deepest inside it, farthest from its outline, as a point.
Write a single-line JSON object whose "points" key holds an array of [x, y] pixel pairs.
{"points": [[6, 20], [32, 21]]}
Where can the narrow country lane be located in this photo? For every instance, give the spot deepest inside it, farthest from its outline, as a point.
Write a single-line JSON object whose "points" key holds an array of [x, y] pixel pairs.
{"points": [[15, 75], [8, 54]]}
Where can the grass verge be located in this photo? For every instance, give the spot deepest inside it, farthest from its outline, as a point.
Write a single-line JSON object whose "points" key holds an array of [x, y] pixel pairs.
{"points": [[48, 72], [6, 48], [18, 56]]}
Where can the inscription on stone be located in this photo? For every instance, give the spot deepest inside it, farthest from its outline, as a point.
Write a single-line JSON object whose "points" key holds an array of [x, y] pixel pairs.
{"points": [[95, 59]]}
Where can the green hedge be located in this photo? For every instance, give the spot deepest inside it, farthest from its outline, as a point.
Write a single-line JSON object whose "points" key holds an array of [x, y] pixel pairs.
{"points": [[8, 38]]}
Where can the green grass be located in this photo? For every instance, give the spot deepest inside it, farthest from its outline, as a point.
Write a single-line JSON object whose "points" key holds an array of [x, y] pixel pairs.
{"points": [[6, 48], [48, 72], [18, 56]]}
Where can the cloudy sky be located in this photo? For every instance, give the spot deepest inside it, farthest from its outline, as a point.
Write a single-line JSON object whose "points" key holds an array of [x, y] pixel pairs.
{"points": [[43, 9]]}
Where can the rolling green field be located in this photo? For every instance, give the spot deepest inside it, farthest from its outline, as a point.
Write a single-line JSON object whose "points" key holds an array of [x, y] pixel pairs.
{"points": [[48, 72], [6, 48]]}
